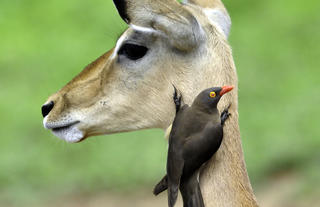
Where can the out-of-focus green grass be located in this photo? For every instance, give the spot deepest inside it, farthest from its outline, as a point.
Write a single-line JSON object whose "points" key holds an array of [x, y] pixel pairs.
{"points": [[276, 50], [43, 44]]}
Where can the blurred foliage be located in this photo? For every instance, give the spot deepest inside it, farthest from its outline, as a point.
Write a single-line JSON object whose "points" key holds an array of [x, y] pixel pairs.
{"points": [[44, 44]]}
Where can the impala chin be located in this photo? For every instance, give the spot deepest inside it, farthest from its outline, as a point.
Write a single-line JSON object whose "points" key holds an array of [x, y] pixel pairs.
{"points": [[70, 134], [65, 131]]}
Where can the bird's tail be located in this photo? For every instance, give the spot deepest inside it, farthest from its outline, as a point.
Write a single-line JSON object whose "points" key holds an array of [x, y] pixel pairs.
{"points": [[172, 190], [191, 193], [172, 194], [161, 186]]}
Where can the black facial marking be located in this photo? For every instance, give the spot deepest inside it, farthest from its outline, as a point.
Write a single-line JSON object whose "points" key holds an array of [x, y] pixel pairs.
{"points": [[133, 51], [122, 9]]}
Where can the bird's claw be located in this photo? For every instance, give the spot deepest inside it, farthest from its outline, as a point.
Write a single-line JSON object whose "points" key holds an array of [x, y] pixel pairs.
{"points": [[225, 115], [177, 98]]}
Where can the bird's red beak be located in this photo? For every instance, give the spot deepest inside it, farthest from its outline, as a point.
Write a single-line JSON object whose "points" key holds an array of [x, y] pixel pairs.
{"points": [[225, 89]]}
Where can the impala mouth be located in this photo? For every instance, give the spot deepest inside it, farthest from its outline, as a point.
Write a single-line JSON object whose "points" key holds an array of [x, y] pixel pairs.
{"points": [[68, 132], [64, 127]]}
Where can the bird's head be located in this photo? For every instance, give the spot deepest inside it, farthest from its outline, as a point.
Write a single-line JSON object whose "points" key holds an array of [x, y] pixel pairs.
{"points": [[209, 98]]}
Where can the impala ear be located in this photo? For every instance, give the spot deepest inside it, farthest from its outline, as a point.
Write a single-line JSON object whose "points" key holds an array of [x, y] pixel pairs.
{"points": [[122, 9], [216, 12], [220, 19], [166, 16]]}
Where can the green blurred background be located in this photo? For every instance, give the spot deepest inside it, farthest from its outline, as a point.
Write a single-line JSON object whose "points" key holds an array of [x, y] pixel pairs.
{"points": [[43, 44]]}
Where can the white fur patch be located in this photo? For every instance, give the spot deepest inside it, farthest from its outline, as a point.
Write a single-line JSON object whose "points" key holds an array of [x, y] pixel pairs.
{"points": [[167, 132], [220, 19], [142, 29], [71, 134], [44, 122], [118, 45], [124, 37]]}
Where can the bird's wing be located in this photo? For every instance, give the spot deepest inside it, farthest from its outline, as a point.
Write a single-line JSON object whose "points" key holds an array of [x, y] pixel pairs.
{"points": [[175, 165], [209, 135], [175, 160], [199, 147]]}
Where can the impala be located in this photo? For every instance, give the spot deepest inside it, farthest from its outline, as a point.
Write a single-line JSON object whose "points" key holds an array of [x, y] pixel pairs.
{"points": [[130, 87]]}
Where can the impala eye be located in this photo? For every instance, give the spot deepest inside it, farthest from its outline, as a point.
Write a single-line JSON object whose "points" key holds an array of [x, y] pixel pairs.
{"points": [[132, 51]]}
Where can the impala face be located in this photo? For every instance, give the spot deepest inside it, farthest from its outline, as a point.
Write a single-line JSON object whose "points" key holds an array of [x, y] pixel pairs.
{"points": [[130, 87]]}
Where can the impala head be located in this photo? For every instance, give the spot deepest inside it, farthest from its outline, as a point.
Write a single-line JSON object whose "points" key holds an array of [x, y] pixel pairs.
{"points": [[130, 87]]}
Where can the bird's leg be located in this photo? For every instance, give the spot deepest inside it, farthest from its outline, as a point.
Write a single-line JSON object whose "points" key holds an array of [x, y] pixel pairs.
{"points": [[177, 99], [225, 115]]}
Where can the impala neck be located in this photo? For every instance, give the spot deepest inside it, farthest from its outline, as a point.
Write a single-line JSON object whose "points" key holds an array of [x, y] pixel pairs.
{"points": [[224, 180]]}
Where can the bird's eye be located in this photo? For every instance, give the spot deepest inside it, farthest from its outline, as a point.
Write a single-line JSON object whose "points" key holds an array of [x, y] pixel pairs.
{"points": [[213, 94], [133, 51]]}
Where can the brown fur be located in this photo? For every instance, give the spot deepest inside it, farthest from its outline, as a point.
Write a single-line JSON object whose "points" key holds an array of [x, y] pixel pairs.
{"points": [[108, 98]]}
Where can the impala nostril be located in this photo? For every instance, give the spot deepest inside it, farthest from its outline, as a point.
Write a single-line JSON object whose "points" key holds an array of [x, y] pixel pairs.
{"points": [[47, 108]]}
